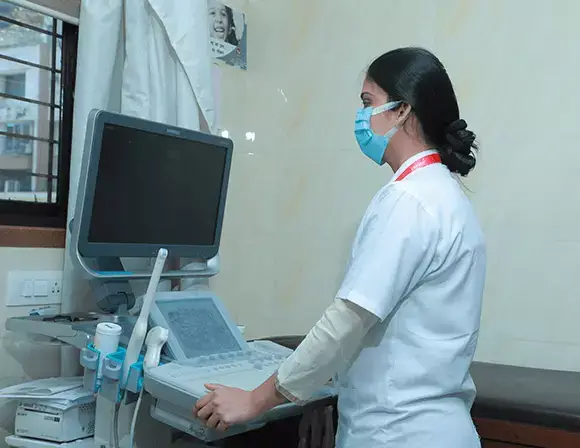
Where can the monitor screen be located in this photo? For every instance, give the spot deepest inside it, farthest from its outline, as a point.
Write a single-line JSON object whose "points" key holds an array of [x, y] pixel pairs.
{"points": [[156, 189], [198, 326]]}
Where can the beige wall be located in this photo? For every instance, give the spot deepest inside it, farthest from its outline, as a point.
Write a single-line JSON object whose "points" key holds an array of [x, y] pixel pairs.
{"points": [[298, 190], [21, 358]]}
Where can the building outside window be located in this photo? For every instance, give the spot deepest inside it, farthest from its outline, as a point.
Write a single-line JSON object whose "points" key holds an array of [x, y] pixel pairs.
{"points": [[37, 63]]}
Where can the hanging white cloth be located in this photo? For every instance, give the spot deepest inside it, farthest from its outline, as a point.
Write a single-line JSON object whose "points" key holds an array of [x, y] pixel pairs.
{"points": [[146, 58]]}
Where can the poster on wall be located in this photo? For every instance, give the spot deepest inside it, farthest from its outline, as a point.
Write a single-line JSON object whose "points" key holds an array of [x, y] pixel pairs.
{"points": [[227, 31]]}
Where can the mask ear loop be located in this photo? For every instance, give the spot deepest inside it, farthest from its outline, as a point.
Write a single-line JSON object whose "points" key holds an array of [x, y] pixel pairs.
{"points": [[396, 127], [385, 107], [390, 106]]}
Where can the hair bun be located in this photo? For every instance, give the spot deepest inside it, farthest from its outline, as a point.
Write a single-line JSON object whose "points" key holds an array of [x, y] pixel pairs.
{"points": [[457, 125], [459, 137], [459, 152], [460, 163]]}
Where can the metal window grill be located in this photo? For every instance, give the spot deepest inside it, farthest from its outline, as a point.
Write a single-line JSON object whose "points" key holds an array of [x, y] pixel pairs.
{"points": [[35, 116]]}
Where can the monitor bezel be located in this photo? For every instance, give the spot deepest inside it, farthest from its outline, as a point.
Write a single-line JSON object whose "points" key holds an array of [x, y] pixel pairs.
{"points": [[173, 345], [96, 123]]}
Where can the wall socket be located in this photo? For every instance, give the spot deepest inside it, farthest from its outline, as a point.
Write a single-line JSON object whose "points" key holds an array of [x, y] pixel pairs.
{"points": [[30, 288]]}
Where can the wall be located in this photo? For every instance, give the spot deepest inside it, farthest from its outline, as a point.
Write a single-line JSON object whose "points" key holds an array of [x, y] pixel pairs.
{"points": [[298, 190], [22, 358]]}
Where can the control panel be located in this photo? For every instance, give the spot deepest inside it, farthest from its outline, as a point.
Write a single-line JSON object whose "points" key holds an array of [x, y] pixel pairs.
{"points": [[244, 369]]}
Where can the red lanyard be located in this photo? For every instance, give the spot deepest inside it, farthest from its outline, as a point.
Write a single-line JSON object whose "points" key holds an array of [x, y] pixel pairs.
{"points": [[420, 163]]}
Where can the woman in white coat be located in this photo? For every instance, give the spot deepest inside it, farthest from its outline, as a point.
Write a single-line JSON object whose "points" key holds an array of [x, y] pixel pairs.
{"points": [[402, 331]]}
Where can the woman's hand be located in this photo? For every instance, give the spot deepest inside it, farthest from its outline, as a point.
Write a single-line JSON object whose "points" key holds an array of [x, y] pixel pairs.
{"points": [[225, 406]]}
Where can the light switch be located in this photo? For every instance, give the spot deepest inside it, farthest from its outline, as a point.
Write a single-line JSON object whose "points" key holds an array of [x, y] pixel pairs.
{"points": [[40, 288], [27, 288], [31, 288]]}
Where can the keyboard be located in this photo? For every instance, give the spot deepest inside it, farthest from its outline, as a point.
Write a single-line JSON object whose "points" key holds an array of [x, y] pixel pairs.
{"points": [[241, 369]]}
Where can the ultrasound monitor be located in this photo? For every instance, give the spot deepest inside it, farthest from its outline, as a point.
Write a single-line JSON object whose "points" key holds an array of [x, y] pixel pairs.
{"points": [[147, 185], [198, 324]]}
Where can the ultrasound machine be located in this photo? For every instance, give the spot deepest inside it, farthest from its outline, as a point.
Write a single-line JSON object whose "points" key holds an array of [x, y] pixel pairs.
{"points": [[146, 187]]}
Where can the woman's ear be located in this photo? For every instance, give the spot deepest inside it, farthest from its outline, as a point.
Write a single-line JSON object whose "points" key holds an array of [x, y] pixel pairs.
{"points": [[403, 112]]}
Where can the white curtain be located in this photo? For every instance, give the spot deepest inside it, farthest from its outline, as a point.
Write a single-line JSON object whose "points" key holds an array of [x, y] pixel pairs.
{"points": [[146, 58]]}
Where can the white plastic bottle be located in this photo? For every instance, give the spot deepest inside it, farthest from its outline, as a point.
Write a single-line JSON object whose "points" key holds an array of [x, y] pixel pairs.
{"points": [[106, 341]]}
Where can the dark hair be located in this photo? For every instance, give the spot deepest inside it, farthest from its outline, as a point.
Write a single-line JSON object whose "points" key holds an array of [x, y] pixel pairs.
{"points": [[416, 77], [231, 38]]}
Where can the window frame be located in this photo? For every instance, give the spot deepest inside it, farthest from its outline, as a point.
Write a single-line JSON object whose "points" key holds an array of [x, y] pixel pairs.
{"points": [[52, 215]]}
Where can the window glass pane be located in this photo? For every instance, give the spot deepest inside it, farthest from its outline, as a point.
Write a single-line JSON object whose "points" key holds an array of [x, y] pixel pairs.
{"points": [[29, 132], [14, 111], [27, 16], [20, 185], [17, 41]]}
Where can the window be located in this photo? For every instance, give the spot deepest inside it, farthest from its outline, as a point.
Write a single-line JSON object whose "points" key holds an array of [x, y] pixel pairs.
{"points": [[16, 181], [37, 71], [11, 186], [15, 84], [16, 141]]}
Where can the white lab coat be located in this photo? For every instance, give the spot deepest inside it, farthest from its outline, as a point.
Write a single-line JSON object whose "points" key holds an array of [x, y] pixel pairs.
{"points": [[418, 264]]}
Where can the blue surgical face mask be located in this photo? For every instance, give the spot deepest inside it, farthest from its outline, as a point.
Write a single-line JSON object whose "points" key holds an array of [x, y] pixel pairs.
{"points": [[371, 144]]}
